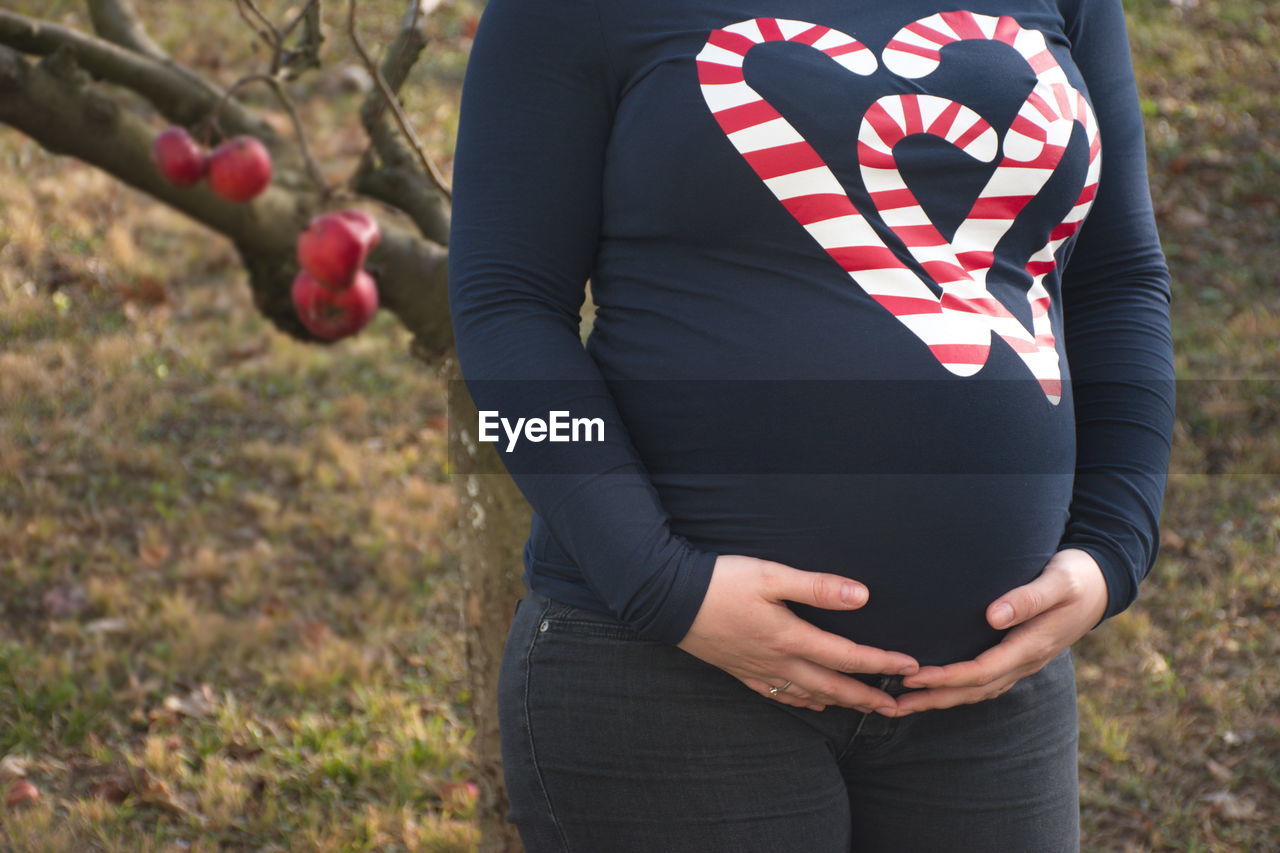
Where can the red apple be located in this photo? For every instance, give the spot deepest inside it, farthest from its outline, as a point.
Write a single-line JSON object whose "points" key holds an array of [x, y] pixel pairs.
{"points": [[333, 314], [179, 157], [332, 250], [239, 168], [366, 226]]}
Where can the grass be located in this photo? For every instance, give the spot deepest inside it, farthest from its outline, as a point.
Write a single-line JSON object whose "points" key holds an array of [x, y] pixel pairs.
{"points": [[230, 611], [1180, 728]]}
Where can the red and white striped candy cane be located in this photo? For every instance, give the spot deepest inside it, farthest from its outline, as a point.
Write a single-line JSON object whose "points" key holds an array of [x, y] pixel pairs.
{"points": [[962, 276], [915, 51], [801, 180], [1033, 148], [886, 123]]}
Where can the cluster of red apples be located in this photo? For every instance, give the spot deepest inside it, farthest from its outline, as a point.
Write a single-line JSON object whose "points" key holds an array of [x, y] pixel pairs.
{"points": [[237, 170], [332, 293]]}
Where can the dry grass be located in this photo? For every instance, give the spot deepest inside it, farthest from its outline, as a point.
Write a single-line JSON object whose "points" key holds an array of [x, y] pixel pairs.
{"points": [[230, 602], [1180, 698]]}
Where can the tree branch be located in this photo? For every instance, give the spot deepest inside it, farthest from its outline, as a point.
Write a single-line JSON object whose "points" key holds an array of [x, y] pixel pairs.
{"points": [[401, 55], [117, 22], [398, 179], [180, 95], [389, 96], [263, 28], [77, 120], [307, 54], [410, 193]]}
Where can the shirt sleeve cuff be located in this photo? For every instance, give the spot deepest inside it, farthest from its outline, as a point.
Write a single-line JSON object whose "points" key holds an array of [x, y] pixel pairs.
{"points": [[1121, 591], [683, 600]]}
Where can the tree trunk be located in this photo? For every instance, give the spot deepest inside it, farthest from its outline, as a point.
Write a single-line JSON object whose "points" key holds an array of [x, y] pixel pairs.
{"points": [[493, 523]]}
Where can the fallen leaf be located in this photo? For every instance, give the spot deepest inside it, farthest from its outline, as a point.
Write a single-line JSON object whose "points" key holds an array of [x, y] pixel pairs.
{"points": [[115, 788], [243, 752], [12, 767], [21, 793], [1218, 771], [1188, 218], [1231, 807], [200, 702], [153, 554], [1172, 542], [106, 626]]}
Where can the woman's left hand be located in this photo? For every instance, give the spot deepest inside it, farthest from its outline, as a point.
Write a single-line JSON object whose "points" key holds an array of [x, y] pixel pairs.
{"points": [[1053, 611]]}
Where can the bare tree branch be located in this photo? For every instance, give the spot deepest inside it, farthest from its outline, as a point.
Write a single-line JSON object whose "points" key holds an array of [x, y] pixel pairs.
{"points": [[400, 57], [291, 62], [263, 28], [251, 12], [310, 14], [307, 54], [68, 118], [117, 22], [398, 179], [389, 96], [410, 193], [180, 95]]}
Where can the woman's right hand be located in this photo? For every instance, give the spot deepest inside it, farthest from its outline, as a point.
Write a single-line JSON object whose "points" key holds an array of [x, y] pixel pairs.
{"points": [[744, 628]]}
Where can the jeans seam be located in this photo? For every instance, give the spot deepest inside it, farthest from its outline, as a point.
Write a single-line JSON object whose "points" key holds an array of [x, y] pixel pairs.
{"points": [[528, 727], [884, 680], [586, 627]]}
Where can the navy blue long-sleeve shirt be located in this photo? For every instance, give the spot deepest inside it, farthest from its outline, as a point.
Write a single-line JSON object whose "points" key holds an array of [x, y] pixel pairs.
{"points": [[879, 293]]}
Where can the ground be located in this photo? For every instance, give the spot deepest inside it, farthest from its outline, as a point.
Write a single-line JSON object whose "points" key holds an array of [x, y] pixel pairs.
{"points": [[230, 616]]}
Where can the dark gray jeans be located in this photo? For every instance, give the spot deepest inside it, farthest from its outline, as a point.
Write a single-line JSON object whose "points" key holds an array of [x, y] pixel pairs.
{"points": [[612, 743]]}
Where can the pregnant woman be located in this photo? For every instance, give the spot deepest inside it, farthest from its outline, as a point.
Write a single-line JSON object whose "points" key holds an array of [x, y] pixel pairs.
{"points": [[882, 378]]}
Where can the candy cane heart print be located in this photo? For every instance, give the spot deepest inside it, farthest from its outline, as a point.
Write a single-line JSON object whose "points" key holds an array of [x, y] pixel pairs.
{"points": [[956, 323]]}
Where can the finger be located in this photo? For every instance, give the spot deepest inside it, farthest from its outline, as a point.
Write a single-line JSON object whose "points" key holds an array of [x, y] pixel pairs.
{"points": [[1021, 603], [830, 592], [1016, 650], [792, 696], [810, 642], [835, 688], [865, 701], [949, 697]]}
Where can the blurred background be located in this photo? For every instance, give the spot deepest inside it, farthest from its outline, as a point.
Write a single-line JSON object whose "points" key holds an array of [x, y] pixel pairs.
{"points": [[230, 613]]}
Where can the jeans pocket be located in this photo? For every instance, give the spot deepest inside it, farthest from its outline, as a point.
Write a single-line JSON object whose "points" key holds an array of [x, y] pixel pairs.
{"points": [[565, 618]]}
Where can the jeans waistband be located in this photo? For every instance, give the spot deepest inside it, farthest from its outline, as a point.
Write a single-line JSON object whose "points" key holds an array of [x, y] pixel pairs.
{"points": [[891, 684]]}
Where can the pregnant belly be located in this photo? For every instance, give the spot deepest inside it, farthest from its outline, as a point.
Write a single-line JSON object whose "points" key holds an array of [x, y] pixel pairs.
{"points": [[939, 496], [934, 550]]}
